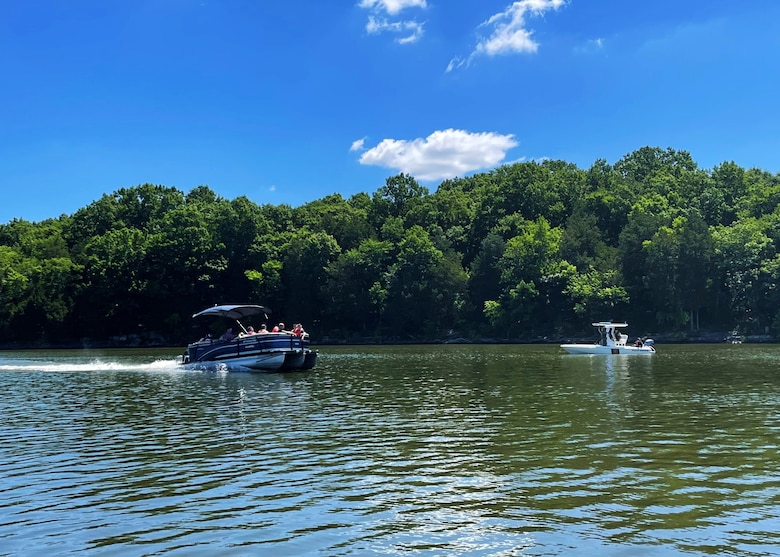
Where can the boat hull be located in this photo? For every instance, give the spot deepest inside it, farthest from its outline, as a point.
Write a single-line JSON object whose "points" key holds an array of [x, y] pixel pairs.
{"points": [[266, 363], [600, 349], [261, 352], [310, 360]]}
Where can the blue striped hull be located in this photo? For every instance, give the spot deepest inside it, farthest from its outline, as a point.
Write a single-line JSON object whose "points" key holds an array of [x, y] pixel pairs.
{"points": [[261, 352]]}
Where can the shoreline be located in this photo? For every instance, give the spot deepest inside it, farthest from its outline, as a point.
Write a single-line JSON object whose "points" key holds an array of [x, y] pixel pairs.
{"points": [[132, 341]]}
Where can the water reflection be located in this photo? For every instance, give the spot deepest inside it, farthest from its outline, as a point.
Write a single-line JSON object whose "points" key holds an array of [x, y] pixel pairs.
{"points": [[513, 450]]}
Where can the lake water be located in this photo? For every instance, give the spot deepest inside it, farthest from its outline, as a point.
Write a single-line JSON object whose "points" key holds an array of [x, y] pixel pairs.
{"points": [[401, 450]]}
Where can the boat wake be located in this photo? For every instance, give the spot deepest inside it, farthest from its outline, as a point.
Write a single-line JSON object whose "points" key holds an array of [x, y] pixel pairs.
{"points": [[9, 365]]}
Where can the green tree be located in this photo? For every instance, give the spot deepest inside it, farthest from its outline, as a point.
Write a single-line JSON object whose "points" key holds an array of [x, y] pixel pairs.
{"points": [[695, 267], [347, 223], [662, 276], [111, 300], [533, 275], [647, 216], [646, 162], [595, 293], [744, 260], [398, 196], [484, 283], [583, 243], [14, 287], [183, 270], [450, 210], [424, 287], [305, 259], [39, 281], [727, 188], [762, 195], [356, 289]]}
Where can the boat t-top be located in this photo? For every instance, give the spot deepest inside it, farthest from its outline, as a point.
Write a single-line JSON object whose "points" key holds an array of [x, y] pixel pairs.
{"points": [[612, 341]]}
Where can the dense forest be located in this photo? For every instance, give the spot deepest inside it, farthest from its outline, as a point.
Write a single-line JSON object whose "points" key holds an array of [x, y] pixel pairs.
{"points": [[525, 251]]}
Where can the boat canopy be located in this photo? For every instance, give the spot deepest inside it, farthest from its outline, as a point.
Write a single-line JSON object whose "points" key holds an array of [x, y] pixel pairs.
{"points": [[233, 311], [609, 324]]}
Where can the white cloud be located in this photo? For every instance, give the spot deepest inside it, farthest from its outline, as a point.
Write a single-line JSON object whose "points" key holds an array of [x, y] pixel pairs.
{"points": [[508, 32], [454, 63], [443, 154], [392, 7], [411, 30], [357, 145]]}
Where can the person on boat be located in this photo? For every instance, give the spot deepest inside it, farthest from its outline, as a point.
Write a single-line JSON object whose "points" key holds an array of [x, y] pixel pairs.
{"points": [[297, 330], [278, 328], [262, 330], [249, 331], [228, 334]]}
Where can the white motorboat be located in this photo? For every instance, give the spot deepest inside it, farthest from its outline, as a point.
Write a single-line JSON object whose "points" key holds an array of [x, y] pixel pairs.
{"points": [[612, 342], [264, 352]]}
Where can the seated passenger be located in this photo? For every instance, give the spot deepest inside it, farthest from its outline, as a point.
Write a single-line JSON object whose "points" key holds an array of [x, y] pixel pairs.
{"points": [[297, 330], [228, 334], [249, 331], [262, 330], [278, 328]]}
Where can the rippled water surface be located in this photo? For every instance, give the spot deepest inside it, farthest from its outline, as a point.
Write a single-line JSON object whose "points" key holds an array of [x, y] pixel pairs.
{"points": [[423, 450]]}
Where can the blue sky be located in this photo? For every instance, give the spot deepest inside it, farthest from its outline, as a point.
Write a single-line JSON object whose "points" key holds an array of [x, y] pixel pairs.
{"points": [[287, 102]]}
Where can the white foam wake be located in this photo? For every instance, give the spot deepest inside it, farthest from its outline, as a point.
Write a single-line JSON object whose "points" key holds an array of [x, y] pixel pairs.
{"points": [[87, 366]]}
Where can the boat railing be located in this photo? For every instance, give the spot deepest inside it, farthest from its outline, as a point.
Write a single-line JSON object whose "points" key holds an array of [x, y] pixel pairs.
{"points": [[244, 336], [271, 341]]}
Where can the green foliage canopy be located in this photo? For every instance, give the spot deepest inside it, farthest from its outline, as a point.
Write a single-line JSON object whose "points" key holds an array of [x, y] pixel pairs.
{"points": [[524, 250]]}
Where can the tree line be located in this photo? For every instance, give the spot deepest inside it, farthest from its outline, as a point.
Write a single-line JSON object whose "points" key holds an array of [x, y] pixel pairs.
{"points": [[526, 250]]}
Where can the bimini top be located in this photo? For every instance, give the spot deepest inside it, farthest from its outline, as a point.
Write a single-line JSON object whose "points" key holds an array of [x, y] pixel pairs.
{"points": [[609, 324], [233, 311]]}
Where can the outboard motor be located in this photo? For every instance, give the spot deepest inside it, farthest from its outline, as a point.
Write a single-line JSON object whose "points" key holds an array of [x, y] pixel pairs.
{"points": [[649, 342]]}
